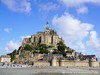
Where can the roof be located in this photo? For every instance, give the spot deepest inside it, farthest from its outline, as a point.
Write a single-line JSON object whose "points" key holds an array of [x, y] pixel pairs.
{"points": [[5, 56], [89, 56], [53, 55]]}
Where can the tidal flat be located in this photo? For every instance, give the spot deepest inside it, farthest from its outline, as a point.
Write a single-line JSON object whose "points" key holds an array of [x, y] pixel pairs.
{"points": [[50, 71]]}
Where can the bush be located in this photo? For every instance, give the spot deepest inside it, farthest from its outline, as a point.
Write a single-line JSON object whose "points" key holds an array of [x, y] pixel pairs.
{"points": [[28, 47]]}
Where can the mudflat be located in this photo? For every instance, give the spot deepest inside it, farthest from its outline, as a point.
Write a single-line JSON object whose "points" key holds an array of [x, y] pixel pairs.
{"points": [[50, 71]]}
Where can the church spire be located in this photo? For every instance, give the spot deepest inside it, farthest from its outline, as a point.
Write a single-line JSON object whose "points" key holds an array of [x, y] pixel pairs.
{"points": [[47, 25]]}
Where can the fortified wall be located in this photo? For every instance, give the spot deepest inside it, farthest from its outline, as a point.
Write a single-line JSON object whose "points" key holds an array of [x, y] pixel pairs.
{"points": [[91, 63], [70, 63], [41, 63]]}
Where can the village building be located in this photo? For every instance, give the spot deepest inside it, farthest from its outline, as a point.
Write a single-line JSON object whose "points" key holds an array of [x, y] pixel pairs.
{"points": [[5, 59]]}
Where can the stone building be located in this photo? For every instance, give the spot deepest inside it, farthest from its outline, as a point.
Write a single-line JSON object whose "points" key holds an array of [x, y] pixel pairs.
{"points": [[5, 59], [48, 37]]}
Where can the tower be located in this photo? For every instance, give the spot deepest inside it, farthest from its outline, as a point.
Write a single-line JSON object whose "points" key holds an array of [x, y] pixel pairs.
{"points": [[47, 26], [47, 30], [54, 61]]}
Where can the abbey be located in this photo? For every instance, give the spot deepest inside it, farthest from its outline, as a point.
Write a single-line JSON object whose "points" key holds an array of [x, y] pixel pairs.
{"points": [[48, 37]]}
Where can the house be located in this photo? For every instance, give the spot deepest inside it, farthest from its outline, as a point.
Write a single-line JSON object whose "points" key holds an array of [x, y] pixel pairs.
{"points": [[70, 53], [48, 57], [5, 59], [89, 57]]}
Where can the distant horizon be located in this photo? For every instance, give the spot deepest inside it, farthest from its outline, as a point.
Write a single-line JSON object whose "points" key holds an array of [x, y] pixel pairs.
{"points": [[77, 22]]}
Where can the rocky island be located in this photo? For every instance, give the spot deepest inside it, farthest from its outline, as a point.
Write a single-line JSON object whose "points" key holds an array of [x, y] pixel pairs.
{"points": [[48, 49]]}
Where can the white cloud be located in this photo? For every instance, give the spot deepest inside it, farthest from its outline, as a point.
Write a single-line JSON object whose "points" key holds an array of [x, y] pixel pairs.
{"points": [[94, 41], [72, 30], [7, 30], [80, 5], [12, 45], [18, 5], [48, 7], [77, 3], [82, 10], [98, 54]]}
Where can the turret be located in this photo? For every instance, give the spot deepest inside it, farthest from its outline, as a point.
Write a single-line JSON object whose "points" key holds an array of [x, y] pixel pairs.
{"points": [[53, 62], [47, 30], [47, 26], [93, 63]]}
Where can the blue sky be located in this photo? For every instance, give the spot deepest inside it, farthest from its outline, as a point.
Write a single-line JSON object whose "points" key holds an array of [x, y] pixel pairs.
{"points": [[76, 21]]}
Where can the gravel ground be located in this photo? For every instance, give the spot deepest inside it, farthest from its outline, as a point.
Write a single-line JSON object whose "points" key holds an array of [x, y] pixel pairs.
{"points": [[51, 71]]}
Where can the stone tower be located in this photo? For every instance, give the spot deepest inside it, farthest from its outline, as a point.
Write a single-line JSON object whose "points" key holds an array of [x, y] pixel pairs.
{"points": [[47, 27], [93, 63], [54, 61]]}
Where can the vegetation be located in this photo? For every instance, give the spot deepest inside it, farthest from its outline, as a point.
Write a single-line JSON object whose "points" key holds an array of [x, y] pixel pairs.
{"points": [[69, 51], [12, 55], [61, 48], [55, 51], [42, 48], [29, 48]]}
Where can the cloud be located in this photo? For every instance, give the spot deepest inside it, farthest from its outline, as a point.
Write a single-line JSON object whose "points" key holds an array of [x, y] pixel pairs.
{"points": [[77, 3], [80, 5], [94, 41], [12, 45], [48, 7], [72, 30], [8, 30], [18, 5], [82, 10]]}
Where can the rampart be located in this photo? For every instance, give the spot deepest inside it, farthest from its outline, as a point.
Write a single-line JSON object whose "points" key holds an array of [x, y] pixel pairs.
{"points": [[41, 63], [75, 63]]}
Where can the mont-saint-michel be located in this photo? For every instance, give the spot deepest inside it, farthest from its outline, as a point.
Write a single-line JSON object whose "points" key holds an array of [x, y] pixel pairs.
{"points": [[48, 49], [45, 53], [49, 37]]}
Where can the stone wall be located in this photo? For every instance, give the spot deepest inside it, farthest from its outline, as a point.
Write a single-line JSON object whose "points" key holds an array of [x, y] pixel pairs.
{"points": [[55, 40], [73, 63], [48, 39], [41, 63], [67, 63], [94, 64]]}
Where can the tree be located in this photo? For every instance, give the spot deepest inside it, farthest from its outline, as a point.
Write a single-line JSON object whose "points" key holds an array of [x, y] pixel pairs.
{"points": [[61, 46], [69, 51], [12, 55], [55, 51], [28, 47], [44, 51], [42, 48]]}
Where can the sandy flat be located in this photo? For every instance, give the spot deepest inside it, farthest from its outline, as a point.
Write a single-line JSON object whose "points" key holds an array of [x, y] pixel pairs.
{"points": [[51, 71]]}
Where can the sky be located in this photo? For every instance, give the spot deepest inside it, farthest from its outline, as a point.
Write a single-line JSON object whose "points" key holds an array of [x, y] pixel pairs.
{"points": [[76, 21]]}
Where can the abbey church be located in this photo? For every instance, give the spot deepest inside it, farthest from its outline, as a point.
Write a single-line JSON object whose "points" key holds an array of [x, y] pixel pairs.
{"points": [[48, 37]]}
